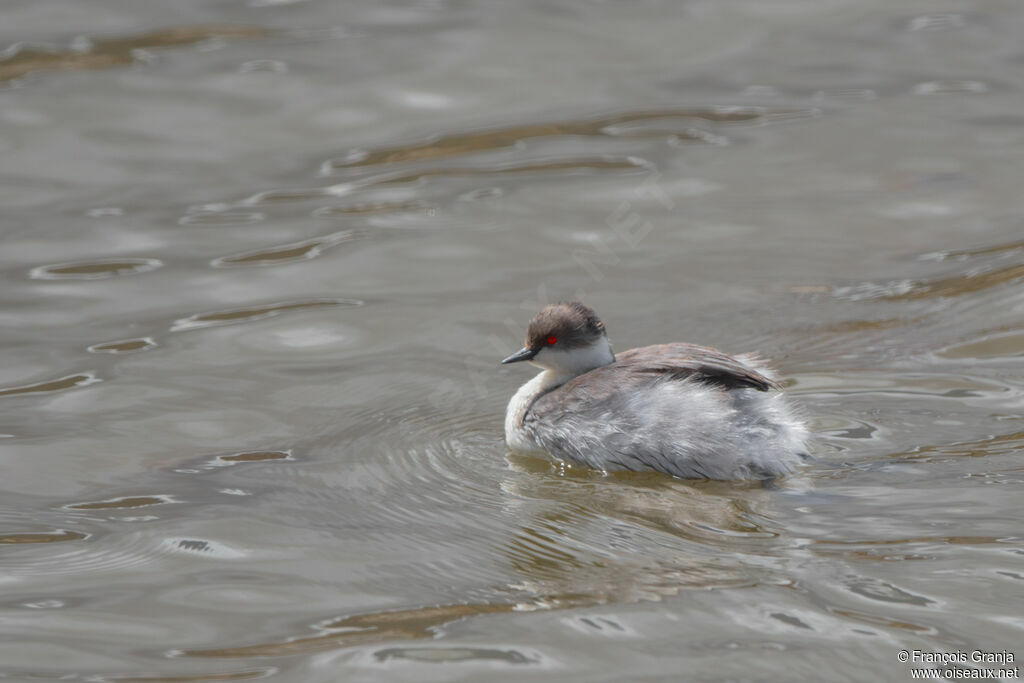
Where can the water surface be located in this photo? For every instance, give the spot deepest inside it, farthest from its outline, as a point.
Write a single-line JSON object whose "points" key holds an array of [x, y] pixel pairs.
{"points": [[260, 261]]}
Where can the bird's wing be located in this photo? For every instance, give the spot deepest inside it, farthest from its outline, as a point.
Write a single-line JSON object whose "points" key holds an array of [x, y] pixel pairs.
{"points": [[627, 414], [700, 363]]}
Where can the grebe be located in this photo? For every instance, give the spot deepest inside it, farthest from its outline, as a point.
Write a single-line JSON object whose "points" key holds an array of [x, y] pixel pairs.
{"points": [[686, 410]]}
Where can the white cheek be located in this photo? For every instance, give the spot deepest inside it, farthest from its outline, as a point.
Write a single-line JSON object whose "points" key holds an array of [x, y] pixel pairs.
{"points": [[574, 361], [541, 360], [550, 358]]}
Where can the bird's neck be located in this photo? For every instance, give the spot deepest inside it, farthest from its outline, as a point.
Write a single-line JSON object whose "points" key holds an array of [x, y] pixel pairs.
{"points": [[568, 365], [521, 403]]}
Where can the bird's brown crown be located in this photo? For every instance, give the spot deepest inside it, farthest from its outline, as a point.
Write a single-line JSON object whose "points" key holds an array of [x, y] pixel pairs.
{"points": [[564, 325]]}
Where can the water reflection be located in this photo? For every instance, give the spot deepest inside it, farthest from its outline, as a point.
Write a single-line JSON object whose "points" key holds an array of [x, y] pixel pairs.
{"points": [[372, 628], [285, 253], [56, 536], [618, 124], [95, 269], [591, 540], [101, 53], [60, 384], [233, 316]]}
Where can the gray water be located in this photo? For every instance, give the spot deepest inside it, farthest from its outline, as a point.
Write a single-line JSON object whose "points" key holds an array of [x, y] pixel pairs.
{"points": [[260, 259]]}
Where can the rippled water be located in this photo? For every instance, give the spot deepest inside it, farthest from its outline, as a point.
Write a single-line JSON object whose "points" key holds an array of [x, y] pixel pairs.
{"points": [[260, 260]]}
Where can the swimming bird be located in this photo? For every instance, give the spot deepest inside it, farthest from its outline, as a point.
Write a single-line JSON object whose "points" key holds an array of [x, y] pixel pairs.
{"points": [[686, 410]]}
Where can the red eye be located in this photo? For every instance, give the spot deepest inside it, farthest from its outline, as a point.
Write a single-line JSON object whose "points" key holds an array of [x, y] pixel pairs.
{"points": [[552, 340]]}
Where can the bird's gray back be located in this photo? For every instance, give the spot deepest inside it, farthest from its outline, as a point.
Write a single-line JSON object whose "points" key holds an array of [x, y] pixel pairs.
{"points": [[682, 409]]}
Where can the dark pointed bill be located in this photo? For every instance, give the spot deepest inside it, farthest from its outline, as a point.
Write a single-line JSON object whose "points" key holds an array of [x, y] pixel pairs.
{"points": [[520, 355]]}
